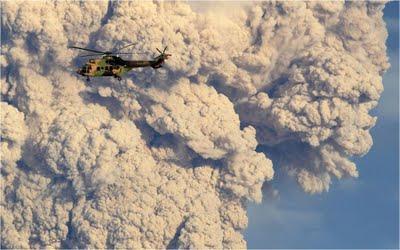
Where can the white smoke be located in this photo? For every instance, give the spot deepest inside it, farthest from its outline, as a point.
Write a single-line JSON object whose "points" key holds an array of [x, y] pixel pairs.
{"points": [[167, 158]]}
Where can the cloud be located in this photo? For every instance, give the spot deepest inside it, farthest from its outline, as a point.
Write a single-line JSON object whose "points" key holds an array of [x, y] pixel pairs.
{"points": [[168, 158], [13, 135], [317, 110]]}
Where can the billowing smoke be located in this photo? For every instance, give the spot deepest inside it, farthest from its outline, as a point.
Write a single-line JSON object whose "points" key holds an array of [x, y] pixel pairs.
{"points": [[170, 158]]}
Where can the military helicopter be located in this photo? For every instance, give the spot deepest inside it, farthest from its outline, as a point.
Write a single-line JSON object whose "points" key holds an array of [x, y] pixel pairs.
{"points": [[110, 64]]}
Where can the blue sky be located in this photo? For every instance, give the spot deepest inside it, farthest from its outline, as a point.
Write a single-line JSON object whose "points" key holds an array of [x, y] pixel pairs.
{"points": [[359, 213]]}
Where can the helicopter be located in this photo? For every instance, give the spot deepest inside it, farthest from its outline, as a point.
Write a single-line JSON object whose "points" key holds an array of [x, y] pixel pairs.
{"points": [[110, 64]]}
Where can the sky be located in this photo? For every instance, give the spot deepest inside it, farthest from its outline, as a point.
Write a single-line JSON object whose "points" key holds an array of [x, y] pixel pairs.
{"points": [[355, 213]]}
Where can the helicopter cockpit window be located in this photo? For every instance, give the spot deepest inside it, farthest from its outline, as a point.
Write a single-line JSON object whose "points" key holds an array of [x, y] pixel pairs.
{"points": [[98, 68]]}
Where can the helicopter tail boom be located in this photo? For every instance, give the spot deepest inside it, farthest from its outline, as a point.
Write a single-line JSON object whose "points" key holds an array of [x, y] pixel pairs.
{"points": [[138, 64], [155, 63]]}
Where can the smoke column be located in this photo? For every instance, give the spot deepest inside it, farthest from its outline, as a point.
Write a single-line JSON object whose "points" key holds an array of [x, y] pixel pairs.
{"points": [[170, 158]]}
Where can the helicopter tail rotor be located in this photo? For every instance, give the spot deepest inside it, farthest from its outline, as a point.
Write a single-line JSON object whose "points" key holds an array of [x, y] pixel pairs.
{"points": [[159, 60], [162, 55]]}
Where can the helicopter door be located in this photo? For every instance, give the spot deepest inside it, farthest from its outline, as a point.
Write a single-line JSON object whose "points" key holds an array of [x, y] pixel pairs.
{"points": [[85, 69], [108, 71]]}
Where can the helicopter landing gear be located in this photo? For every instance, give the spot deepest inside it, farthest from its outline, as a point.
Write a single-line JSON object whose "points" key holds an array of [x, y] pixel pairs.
{"points": [[118, 77]]}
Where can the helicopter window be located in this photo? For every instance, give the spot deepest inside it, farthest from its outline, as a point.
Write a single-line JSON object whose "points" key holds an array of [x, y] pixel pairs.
{"points": [[98, 68], [115, 67]]}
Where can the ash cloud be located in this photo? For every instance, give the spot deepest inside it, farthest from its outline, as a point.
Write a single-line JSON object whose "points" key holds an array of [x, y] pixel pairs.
{"points": [[168, 158]]}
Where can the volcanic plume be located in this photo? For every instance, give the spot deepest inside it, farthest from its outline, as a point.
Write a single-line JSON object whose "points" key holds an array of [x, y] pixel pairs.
{"points": [[170, 158]]}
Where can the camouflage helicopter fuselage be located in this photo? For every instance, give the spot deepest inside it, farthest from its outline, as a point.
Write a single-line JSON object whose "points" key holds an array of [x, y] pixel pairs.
{"points": [[115, 66]]}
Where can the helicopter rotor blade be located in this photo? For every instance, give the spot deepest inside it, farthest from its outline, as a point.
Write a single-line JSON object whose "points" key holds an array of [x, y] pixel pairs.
{"points": [[123, 53], [126, 46], [89, 55], [91, 50], [129, 53], [159, 50], [165, 49]]}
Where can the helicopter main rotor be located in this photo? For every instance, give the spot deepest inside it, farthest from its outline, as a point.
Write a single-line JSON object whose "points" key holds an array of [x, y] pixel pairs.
{"points": [[162, 55], [107, 53]]}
